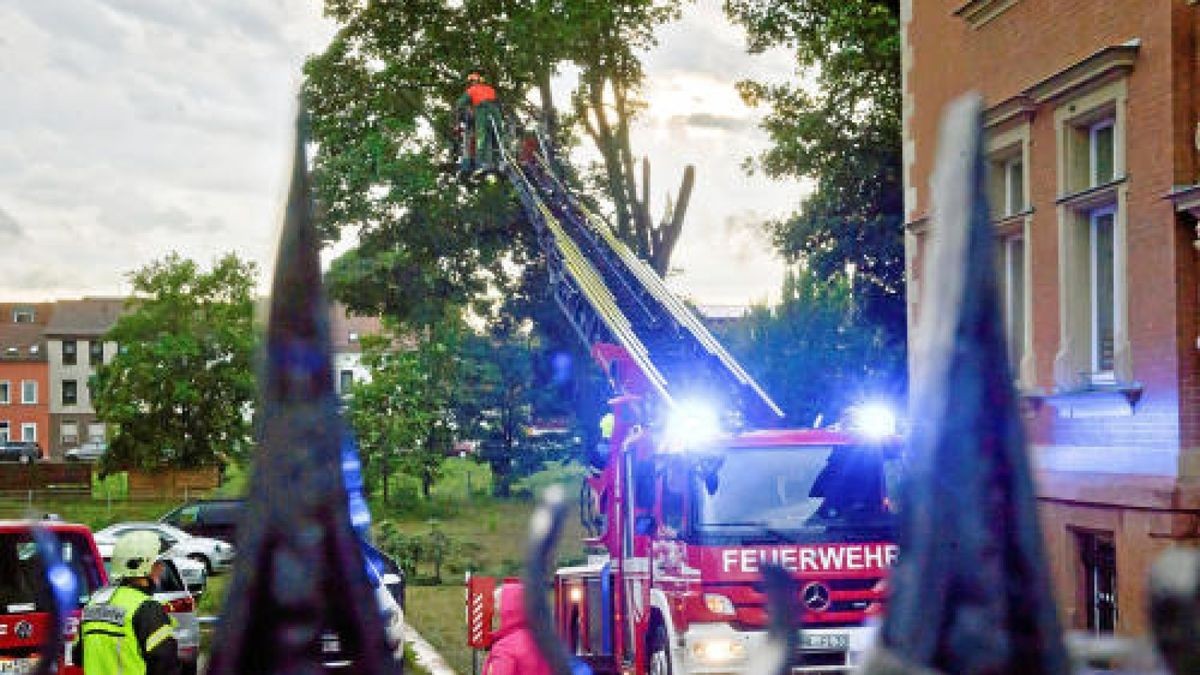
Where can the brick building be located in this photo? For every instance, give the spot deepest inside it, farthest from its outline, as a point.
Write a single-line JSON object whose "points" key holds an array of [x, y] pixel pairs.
{"points": [[1091, 129], [24, 373]]}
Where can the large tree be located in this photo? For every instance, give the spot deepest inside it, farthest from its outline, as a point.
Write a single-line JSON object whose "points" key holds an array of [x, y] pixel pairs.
{"points": [[180, 390], [839, 125], [382, 93]]}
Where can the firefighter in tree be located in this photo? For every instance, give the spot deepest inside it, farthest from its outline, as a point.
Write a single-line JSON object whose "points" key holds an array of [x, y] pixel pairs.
{"points": [[480, 100]]}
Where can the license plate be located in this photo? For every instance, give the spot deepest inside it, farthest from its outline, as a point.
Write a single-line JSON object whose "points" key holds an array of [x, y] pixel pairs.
{"points": [[20, 666], [840, 641]]}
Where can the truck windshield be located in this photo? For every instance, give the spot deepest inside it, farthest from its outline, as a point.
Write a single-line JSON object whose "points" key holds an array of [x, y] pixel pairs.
{"points": [[22, 588], [793, 494]]}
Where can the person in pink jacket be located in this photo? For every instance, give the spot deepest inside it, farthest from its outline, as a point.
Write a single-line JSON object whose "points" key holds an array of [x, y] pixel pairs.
{"points": [[513, 650]]}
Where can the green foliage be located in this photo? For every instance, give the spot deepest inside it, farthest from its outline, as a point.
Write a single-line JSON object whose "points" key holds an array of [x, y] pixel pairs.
{"points": [[434, 550], [811, 351], [403, 416], [180, 388], [499, 401], [844, 133]]}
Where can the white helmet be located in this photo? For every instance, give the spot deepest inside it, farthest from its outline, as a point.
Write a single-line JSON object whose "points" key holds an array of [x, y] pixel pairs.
{"points": [[134, 554]]}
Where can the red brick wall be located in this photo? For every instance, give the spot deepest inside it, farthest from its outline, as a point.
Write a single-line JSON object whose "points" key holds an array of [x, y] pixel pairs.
{"points": [[17, 413]]}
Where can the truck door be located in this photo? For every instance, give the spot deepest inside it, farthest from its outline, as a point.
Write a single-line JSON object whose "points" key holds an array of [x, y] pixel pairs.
{"points": [[639, 485]]}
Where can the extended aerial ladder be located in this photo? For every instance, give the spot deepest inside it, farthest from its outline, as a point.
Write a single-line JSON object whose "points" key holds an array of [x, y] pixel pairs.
{"points": [[649, 342]]}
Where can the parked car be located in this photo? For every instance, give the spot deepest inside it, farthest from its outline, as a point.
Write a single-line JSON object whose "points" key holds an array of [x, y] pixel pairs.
{"points": [[387, 579], [171, 591], [194, 575], [20, 451], [88, 452], [216, 518], [24, 614], [215, 555]]}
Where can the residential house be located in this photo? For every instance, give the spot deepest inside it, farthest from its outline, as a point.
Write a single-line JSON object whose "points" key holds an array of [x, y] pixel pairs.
{"points": [[76, 347], [24, 373], [345, 333]]}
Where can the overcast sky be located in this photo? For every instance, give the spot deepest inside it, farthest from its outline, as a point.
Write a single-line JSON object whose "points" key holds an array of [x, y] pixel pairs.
{"points": [[131, 128]]}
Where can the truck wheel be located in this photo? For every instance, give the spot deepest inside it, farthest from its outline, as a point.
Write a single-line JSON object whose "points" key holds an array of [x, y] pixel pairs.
{"points": [[660, 657]]}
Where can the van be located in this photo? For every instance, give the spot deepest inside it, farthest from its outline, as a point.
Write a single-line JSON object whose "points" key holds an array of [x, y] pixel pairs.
{"points": [[216, 518]]}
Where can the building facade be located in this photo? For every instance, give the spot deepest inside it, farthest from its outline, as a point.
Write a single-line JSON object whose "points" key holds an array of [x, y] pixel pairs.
{"points": [[1091, 127], [346, 331], [24, 373], [75, 347]]}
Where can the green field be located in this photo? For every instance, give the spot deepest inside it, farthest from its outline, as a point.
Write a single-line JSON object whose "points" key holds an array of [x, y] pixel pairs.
{"points": [[488, 536]]}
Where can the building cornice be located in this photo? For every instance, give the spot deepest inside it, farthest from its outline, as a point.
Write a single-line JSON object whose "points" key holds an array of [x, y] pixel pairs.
{"points": [[1019, 107], [1107, 62], [978, 12]]}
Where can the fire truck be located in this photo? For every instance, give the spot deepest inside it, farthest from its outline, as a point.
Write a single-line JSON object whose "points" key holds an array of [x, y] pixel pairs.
{"points": [[698, 488]]}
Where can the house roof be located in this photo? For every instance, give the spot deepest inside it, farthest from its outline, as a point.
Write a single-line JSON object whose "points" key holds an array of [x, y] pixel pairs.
{"points": [[23, 341], [345, 329], [86, 317]]}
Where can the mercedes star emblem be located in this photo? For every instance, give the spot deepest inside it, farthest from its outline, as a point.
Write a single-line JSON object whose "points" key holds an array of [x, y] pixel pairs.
{"points": [[816, 596], [24, 630]]}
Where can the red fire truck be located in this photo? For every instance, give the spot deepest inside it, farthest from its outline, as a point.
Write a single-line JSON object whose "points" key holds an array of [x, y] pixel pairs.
{"points": [[697, 487]]}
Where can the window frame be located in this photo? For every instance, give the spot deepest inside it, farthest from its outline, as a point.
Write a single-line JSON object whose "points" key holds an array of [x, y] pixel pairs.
{"points": [[1094, 128], [5, 431], [6, 390], [1097, 374], [74, 385], [95, 352], [65, 438], [26, 426], [29, 400], [1014, 297], [70, 357]]}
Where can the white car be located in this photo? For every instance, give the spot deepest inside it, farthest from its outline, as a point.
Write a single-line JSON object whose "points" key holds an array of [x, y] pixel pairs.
{"points": [[214, 554]]}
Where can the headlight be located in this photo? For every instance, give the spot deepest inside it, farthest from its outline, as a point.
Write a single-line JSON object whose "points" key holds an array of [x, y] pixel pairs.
{"points": [[718, 650], [718, 604]]}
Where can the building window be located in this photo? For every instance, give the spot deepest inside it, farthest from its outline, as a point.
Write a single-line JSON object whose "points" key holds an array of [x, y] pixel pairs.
{"points": [[68, 432], [70, 392], [4, 428], [23, 315], [1102, 292], [29, 394], [1101, 152], [69, 352], [1098, 581], [29, 431], [5, 392], [95, 352], [345, 382], [1007, 184], [1012, 296], [96, 432]]}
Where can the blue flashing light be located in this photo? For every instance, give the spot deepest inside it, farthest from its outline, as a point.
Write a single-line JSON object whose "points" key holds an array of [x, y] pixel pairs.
{"points": [[692, 423], [874, 420]]}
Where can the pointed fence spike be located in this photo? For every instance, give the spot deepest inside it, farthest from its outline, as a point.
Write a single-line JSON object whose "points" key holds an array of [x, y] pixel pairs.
{"points": [[544, 530], [972, 591], [299, 568]]}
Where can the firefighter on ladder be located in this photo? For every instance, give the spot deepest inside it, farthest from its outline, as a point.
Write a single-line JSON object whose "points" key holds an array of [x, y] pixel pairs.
{"points": [[480, 101]]}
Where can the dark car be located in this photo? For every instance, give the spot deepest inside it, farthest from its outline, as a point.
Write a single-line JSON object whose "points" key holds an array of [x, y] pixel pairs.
{"points": [[387, 583], [216, 518], [20, 451]]}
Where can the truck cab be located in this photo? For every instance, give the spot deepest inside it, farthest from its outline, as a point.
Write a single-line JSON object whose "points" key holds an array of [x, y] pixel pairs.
{"points": [[690, 528]]}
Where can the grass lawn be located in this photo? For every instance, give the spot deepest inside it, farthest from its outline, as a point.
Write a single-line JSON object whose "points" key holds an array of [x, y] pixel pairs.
{"points": [[95, 513]]}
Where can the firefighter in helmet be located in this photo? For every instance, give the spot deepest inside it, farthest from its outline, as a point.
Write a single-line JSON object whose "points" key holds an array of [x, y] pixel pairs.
{"points": [[480, 100], [124, 630]]}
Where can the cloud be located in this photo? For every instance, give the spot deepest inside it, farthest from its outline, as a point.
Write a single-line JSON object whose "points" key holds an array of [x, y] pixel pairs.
{"points": [[9, 227], [710, 121]]}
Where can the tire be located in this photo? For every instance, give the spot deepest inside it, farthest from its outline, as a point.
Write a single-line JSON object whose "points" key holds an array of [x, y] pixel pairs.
{"points": [[660, 657], [203, 560]]}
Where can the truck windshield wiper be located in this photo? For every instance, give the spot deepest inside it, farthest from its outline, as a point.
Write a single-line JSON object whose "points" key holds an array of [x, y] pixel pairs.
{"points": [[768, 532]]}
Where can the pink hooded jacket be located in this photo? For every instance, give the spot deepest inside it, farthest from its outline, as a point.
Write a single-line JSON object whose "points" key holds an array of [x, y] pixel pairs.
{"points": [[513, 649]]}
